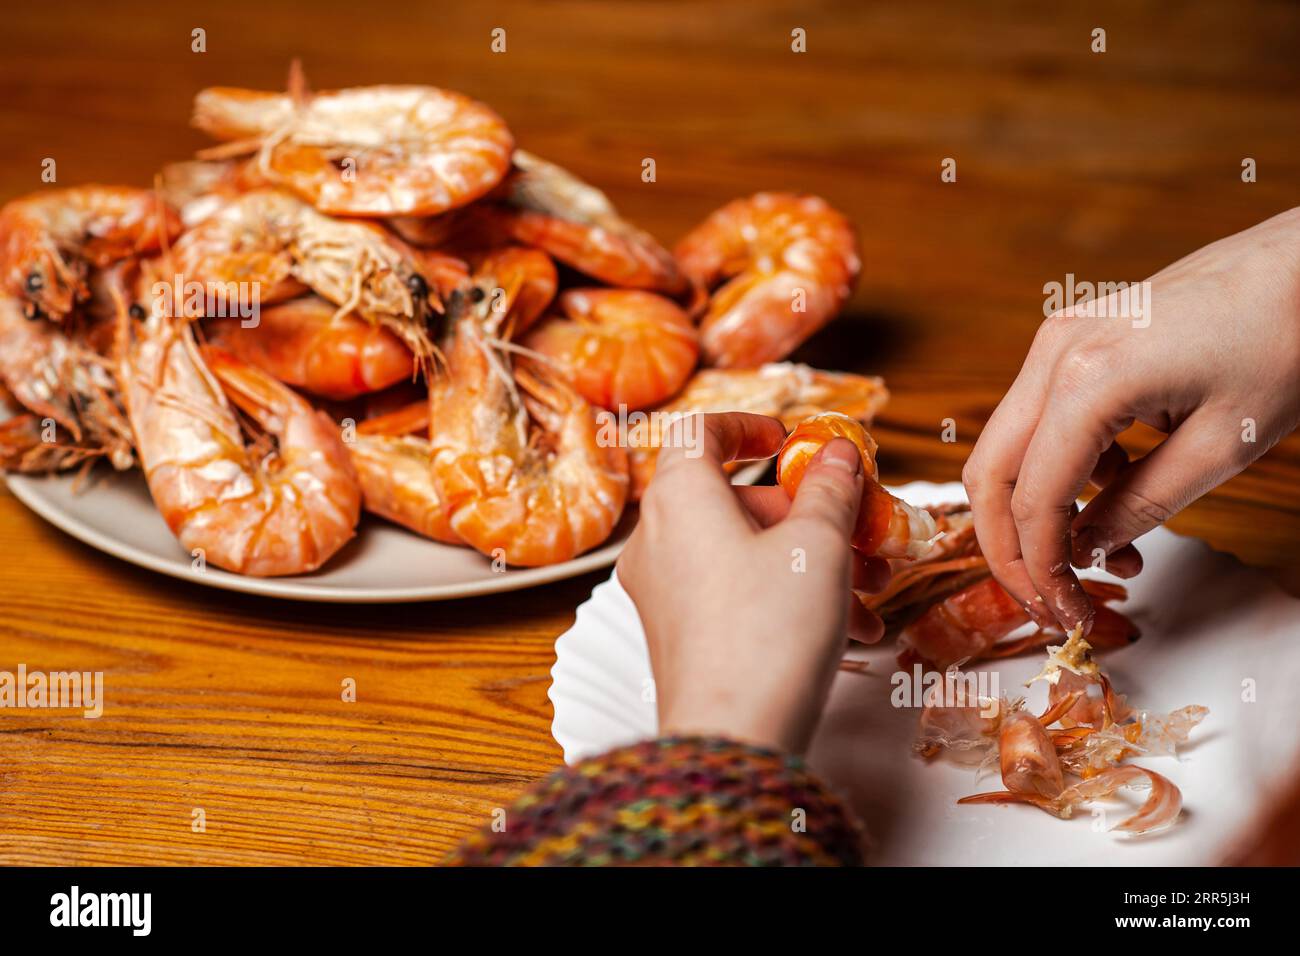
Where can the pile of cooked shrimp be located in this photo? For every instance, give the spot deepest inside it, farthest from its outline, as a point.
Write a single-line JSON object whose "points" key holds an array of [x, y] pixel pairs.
{"points": [[370, 299]]}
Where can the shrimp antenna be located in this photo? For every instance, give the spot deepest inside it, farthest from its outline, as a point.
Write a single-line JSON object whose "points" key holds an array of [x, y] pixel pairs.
{"points": [[298, 88]]}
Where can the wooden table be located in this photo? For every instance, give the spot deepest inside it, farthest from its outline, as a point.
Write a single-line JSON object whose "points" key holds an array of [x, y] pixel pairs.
{"points": [[1102, 165]]}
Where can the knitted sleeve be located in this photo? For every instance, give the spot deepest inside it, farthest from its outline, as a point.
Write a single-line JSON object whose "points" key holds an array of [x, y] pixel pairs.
{"points": [[679, 801]]}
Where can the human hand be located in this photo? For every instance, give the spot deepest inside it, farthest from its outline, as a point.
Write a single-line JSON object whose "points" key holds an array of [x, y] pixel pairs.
{"points": [[743, 593], [1217, 368]]}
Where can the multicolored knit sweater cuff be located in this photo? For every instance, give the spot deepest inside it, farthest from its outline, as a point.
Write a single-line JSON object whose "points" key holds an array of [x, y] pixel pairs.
{"points": [[679, 801]]}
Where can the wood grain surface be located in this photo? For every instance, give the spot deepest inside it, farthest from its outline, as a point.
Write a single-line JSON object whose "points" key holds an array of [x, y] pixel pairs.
{"points": [[1105, 166]]}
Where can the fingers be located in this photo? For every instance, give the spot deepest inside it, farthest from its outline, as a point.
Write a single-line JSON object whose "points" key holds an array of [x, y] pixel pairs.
{"points": [[1111, 463], [1153, 489], [990, 477], [766, 504], [831, 489], [869, 575], [712, 440], [1079, 420]]}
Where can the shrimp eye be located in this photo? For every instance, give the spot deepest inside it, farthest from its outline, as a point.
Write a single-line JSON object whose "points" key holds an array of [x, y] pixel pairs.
{"points": [[417, 285], [35, 282], [136, 311], [477, 295]]}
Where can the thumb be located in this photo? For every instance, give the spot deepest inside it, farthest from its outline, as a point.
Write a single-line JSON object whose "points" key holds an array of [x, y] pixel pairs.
{"points": [[831, 490]]}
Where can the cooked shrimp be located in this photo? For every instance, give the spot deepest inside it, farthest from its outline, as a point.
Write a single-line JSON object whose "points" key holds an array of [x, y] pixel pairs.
{"points": [[278, 245], [887, 526], [367, 151], [308, 344], [53, 373], [552, 209], [621, 348], [779, 266], [526, 283], [394, 468], [197, 188], [246, 508], [50, 240], [523, 475], [782, 390], [970, 624]]}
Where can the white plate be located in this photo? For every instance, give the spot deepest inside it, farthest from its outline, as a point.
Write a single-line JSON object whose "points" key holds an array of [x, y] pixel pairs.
{"points": [[382, 564], [1209, 626]]}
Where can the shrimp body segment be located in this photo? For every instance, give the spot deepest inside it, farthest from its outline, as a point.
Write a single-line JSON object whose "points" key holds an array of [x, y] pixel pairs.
{"points": [[621, 348], [249, 509], [779, 266], [520, 467], [50, 240], [278, 246], [308, 344], [366, 151], [551, 209], [887, 526], [394, 468]]}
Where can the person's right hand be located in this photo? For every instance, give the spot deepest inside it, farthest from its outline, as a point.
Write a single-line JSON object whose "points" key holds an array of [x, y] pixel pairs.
{"points": [[1217, 368]]}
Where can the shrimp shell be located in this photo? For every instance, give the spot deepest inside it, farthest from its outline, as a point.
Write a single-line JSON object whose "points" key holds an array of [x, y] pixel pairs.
{"points": [[366, 151]]}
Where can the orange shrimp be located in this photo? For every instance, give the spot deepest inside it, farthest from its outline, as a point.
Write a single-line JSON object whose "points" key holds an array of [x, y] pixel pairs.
{"points": [[970, 624], [779, 267], [278, 246], [527, 282], [51, 239], [394, 468], [366, 151], [308, 344], [553, 210], [521, 470], [781, 390], [69, 389], [621, 348], [246, 508], [887, 526]]}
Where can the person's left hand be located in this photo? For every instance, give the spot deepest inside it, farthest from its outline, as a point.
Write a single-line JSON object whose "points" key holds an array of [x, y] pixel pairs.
{"points": [[744, 594]]}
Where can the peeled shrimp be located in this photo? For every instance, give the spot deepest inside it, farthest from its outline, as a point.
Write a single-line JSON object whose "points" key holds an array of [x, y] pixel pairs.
{"points": [[887, 526], [50, 240], [64, 383], [308, 344], [553, 210], [621, 348], [782, 390], [367, 151], [779, 267], [521, 470], [278, 246], [251, 509]]}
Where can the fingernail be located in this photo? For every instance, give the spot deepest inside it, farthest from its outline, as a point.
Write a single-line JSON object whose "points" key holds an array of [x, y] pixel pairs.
{"points": [[841, 453]]}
